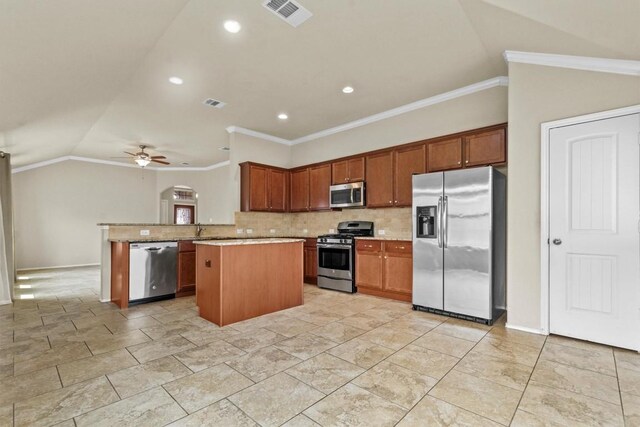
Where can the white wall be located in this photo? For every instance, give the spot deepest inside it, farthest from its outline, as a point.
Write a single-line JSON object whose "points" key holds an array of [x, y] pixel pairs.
{"points": [[58, 206], [488, 107], [540, 94]]}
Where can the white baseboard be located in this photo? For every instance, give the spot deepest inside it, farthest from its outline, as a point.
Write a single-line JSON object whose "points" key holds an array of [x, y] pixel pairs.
{"points": [[525, 329], [58, 267], [5, 302]]}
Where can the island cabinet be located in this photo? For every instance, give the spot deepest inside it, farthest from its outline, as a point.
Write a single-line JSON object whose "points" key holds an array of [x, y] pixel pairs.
{"points": [[350, 170], [241, 279], [310, 261], [389, 176], [186, 269], [385, 268], [263, 188]]}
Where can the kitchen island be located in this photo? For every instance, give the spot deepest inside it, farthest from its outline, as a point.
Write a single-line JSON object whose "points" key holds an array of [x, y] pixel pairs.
{"points": [[246, 278]]}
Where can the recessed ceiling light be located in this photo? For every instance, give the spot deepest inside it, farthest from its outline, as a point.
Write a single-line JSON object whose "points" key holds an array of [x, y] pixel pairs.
{"points": [[283, 116], [232, 26], [347, 89], [176, 80], [185, 163], [224, 149]]}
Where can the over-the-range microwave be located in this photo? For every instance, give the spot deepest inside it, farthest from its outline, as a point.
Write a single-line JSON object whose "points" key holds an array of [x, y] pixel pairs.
{"points": [[347, 195]]}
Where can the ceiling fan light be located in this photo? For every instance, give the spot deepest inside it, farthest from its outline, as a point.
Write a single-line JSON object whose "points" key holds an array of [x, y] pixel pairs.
{"points": [[142, 162]]}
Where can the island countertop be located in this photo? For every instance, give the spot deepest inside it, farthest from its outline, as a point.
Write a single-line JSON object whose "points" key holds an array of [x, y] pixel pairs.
{"points": [[234, 242]]}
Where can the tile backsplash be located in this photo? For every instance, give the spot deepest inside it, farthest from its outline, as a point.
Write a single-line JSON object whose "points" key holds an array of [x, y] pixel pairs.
{"points": [[395, 222]]}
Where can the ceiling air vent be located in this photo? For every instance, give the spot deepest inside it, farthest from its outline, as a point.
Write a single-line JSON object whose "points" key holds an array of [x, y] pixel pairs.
{"points": [[214, 103], [288, 10]]}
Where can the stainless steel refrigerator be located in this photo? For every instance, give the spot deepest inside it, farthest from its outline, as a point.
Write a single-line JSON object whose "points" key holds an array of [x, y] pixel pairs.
{"points": [[459, 243]]}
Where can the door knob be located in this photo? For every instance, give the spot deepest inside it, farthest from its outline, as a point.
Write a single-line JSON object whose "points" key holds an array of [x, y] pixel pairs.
{"points": [[557, 241]]}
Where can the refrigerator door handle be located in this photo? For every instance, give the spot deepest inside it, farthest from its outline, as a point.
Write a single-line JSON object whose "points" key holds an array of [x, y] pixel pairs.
{"points": [[439, 224], [445, 222]]}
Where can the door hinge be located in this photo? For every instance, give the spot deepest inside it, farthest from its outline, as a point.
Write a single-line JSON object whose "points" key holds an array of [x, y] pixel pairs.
{"points": [[548, 241]]}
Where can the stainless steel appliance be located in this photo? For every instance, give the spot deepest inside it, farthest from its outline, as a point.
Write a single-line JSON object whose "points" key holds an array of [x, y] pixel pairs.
{"points": [[347, 195], [152, 271], [336, 255], [459, 242]]}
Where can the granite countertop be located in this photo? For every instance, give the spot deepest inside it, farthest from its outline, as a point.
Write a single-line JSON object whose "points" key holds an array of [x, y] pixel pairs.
{"points": [[157, 224], [199, 239], [397, 239], [233, 242]]}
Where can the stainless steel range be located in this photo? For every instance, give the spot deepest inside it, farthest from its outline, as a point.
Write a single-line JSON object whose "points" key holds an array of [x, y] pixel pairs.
{"points": [[336, 255]]}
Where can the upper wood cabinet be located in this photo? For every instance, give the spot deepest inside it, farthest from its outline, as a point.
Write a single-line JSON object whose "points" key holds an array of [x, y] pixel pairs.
{"points": [[444, 155], [379, 182], [299, 191], [350, 170], [485, 148], [407, 162], [263, 188], [319, 183]]}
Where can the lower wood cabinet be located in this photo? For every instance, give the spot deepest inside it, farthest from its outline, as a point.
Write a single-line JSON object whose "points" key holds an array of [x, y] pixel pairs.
{"points": [[186, 268], [310, 261], [385, 268]]}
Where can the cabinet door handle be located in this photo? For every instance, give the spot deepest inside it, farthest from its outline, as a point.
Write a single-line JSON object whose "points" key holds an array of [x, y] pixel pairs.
{"points": [[385, 257], [400, 247], [458, 162], [390, 201]]}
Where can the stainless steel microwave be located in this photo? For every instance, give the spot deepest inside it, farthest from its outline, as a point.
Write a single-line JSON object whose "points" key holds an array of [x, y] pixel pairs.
{"points": [[347, 195]]}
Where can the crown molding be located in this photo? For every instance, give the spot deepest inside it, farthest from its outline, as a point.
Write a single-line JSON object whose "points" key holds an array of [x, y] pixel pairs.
{"points": [[112, 163], [585, 63], [256, 134], [426, 102]]}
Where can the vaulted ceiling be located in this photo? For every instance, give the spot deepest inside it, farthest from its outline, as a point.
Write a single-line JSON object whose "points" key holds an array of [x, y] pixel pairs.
{"points": [[90, 77]]}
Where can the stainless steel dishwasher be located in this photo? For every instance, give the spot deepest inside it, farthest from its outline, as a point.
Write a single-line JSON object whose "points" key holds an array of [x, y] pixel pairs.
{"points": [[152, 271]]}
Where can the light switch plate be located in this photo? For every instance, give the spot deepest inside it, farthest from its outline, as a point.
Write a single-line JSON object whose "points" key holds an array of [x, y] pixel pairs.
{"points": [[239, 231], [144, 232], [305, 231], [332, 230], [249, 230], [382, 232], [272, 231]]}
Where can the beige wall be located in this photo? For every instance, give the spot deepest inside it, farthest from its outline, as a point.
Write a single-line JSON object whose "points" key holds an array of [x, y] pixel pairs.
{"points": [[58, 206], [488, 107], [214, 206], [540, 94]]}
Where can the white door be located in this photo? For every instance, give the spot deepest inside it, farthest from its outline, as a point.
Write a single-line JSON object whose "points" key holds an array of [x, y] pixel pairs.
{"points": [[594, 212]]}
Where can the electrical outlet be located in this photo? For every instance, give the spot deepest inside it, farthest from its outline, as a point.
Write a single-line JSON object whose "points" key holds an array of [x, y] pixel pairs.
{"points": [[305, 231], [144, 232], [249, 230], [239, 231], [381, 232], [332, 230], [272, 231]]}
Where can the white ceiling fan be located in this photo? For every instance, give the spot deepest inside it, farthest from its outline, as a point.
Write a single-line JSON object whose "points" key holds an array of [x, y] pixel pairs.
{"points": [[143, 159]]}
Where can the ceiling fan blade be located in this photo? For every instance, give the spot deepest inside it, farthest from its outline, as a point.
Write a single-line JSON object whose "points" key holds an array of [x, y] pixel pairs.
{"points": [[122, 157], [131, 154], [160, 161], [157, 157]]}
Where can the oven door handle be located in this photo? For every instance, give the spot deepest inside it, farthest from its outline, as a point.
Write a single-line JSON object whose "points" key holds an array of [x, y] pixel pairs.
{"points": [[331, 246]]}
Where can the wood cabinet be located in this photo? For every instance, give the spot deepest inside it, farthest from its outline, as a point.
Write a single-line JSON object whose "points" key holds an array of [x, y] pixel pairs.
{"points": [[387, 173], [310, 261], [379, 182], [349, 170], [186, 268], [444, 155], [369, 265], [485, 148], [299, 190], [385, 268], [407, 162], [319, 183], [263, 188]]}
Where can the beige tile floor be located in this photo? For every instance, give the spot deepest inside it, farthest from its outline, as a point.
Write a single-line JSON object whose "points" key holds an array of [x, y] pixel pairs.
{"points": [[339, 360]]}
